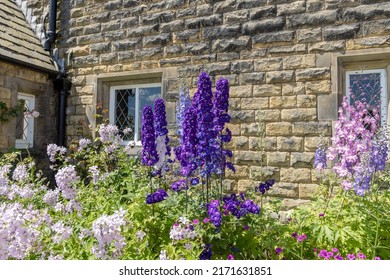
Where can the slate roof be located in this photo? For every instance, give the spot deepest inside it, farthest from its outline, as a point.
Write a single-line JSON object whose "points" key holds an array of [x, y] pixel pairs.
{"points": [[18, 42]]}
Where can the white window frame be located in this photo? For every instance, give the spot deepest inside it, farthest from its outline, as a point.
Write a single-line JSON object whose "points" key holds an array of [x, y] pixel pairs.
{"points": [[29, 100], [112, 105], [383, 81]]}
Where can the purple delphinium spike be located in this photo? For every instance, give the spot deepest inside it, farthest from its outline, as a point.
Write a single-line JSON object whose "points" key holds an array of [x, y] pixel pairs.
{"points": [[188, 151], [320, 158], [149, 152], [221, 104], [203, 105]]}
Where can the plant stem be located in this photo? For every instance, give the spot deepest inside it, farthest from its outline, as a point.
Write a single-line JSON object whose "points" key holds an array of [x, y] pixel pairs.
{"points": [[186, 195], [342, 204]]}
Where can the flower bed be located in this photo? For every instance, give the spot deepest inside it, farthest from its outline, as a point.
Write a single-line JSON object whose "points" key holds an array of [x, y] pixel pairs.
{"points": [[105, 204]]}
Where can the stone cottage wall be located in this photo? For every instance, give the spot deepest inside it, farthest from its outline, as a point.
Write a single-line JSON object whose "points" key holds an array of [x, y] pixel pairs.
{"points": [[279, 56], [16, 79]]}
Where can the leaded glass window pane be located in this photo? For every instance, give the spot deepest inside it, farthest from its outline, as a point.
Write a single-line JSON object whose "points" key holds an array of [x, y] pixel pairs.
{"points": [[126, 106], [125, 111], [369, 86], [366, 88], [146, 97]]}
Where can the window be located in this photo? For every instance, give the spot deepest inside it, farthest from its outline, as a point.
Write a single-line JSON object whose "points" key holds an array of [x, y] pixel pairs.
{"points": [[126, 105], [369, 86], [25, 123]]}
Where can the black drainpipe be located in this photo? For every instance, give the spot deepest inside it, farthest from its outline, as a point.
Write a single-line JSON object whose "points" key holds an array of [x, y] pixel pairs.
{"points": [[61, 83]]}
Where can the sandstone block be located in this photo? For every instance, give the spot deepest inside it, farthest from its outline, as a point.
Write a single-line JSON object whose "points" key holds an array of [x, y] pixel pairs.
{"points": [[289, 143], [302, 160], [312, 128], [254, 103], [267, 90], [186, 36], [268, 64], [262, 12], [332, 46], [199, 22], [265, 25], [219, 68], [322, 87], [231, 44], [273, 37], [313, 19], [293, 89], [267, 115], [282, 102], [377, 27], [306, 101], [250, 4], [156, 40], [236, 17], [278, 159], [288, 50], [242, 66], [242, 116], [340, 32], [279, 77], [241, 157], [196, 48], [309, 35], [301, 114], [263, 173], [284, 190], [252, 78], [280, 128], [312, 74], [262, 143], [176, 25], [241, 91], [370, 42], [291, 8], [250, 129], [299, 61], [153, 18], [295, 175]]}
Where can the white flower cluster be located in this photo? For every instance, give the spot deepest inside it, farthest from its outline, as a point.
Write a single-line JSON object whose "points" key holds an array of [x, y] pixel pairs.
{"points": [[20, 173], [182, 230], [107, 231], [62, 232], [65, 178], [54, 151], [19, 230], [83, 143]]}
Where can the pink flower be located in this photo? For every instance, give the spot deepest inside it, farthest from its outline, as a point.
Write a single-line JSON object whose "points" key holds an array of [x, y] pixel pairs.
{"points": [[195, 222], [230, 257], [302, 237], [206, 220]]}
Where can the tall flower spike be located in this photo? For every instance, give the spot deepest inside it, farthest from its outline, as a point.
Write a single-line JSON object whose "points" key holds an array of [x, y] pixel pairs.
{"points": [[221, 104], [149, 152], [320, 158], [203, 105], [188, 152]]}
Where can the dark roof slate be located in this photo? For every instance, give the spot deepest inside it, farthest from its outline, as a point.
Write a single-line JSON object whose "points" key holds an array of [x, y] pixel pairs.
{"points": [[17, 40]]}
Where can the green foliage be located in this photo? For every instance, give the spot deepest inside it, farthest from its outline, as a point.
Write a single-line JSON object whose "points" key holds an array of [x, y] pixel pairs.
{"points": [[10, 112], [350, 223]]}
